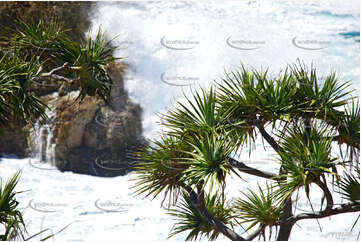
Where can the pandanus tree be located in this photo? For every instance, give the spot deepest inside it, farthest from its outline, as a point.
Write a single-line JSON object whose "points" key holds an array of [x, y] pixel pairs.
{"points": [[305, 120], [36, 54]]}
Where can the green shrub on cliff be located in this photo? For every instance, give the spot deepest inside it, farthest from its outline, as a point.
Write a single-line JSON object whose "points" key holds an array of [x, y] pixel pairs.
{"points": [[40, 53]]}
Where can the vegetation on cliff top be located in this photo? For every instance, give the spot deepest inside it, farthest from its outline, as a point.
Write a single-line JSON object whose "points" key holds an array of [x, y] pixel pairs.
{"points": [[41, 52]]}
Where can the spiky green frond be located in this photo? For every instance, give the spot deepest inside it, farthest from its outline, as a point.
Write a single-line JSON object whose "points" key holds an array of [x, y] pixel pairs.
{"points": [[198, 116], [37, 38], [251, 97], [350, 186], [236, 97], [262, 209], [349, 131], [16, 76], [306, 157], [161, 167], [189, 218], [319, 98], [275, 97], [293, 94], [208, 163], [91, 64], [10, 217]]}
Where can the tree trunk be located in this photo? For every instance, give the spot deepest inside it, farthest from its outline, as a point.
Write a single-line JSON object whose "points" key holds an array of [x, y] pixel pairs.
{"points": [[286, 224]]}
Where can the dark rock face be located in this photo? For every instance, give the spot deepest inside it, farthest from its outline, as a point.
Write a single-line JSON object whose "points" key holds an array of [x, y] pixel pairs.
{"points": [[93, 138], [13, 138]]}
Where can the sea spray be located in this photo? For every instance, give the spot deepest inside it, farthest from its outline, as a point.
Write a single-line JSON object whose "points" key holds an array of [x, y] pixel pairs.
{"points": [[41, 136], [176, 47]]}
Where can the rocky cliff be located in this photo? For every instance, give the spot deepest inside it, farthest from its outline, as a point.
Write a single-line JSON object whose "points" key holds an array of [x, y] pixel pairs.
{"points": [[89, 137]]}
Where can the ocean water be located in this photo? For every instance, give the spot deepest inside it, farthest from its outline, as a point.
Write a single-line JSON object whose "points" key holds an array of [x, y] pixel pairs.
{"points": [[173, 47]]}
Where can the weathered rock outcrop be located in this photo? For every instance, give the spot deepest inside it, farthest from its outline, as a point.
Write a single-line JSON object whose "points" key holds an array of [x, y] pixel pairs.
{"points": [[13, 138], [95, 138]]}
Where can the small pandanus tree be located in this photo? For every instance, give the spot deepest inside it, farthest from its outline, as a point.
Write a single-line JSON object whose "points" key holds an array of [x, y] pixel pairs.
{"points": [[35, 54], [302, 118], [41, 53]]}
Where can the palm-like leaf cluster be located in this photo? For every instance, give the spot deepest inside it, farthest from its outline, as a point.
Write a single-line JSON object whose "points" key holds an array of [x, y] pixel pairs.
{"points": [[89, 63], [306, 157], [190, 219], [161, 168], [263, 210], [349, 132], [208, 163], [37, 38], [16, 100], [10, 217], [252, 94], [350, 186], [319, 98], [199, 117]]}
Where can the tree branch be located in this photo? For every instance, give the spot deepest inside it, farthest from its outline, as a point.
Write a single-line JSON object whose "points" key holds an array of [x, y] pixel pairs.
{"points": [[252, 171], [327, 193], [344, 208], [51, 74], [269, 139], [59, 78], [217, 225], [286, 225], [255, 233]]}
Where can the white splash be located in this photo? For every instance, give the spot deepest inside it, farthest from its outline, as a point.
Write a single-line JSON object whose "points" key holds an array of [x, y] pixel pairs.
{"points": [[42, 137], [176, 46]]}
